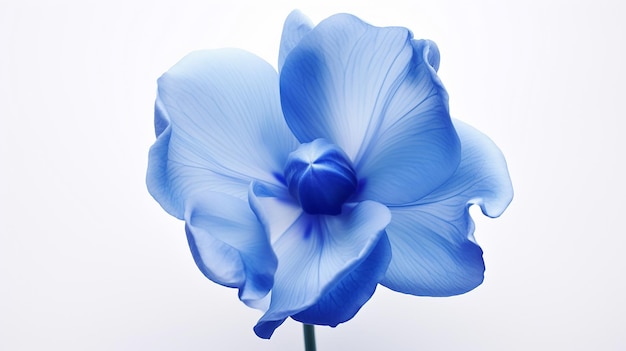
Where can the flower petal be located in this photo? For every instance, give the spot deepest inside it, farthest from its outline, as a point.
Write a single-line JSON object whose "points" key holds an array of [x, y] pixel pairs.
{"points": [[222, 127], [342, 302], [296, 26], [434, 251], [230, 245], [171, 182], [482, 177], [373, 92], [321, 257], [432, 256]]}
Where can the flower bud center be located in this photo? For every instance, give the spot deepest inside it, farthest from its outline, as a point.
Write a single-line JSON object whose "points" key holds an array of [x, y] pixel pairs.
{"points": [[320, 176]]}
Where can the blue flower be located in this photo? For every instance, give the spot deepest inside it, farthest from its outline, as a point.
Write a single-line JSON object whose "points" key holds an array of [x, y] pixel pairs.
{"points": [[305, 189]]}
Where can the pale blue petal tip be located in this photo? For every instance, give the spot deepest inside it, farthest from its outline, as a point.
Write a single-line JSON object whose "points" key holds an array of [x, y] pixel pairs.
{"points": [[296, 26]]}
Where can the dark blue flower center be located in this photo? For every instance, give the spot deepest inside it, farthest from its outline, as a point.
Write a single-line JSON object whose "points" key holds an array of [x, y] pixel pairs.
{"points": [[320, 176]]}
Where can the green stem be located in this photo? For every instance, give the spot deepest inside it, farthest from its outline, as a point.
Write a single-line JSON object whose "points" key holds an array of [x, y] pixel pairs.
{"points": [[309, 337]]}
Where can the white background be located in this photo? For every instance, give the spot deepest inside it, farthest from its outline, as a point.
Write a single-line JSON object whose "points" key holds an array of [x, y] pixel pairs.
{"points": [[89, 261]]}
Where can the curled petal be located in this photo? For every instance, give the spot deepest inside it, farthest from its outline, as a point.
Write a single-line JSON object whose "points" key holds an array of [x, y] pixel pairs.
{"points": [[296, 26], [342, 302], [373, 92], [229, 245], [321, 258], [434, 251], [219, 126], [432, 254], [431, 53]]}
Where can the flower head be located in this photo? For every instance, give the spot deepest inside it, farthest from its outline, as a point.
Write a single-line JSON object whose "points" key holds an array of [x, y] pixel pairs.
{"points": [[305, 189]]}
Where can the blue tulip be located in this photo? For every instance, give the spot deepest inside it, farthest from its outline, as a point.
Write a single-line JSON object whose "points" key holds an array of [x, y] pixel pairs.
{"points": [[308, 187]]}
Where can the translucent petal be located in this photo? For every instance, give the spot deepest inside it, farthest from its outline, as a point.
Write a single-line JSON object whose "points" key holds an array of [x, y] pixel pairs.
{"points": [[296, 26], [342, 302], [482, 177], [416, 147], [230, 245], [433, 247], [373, 92], [319, 257], [431, 52], [432, 252], [221, 126], [171, 182]]}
